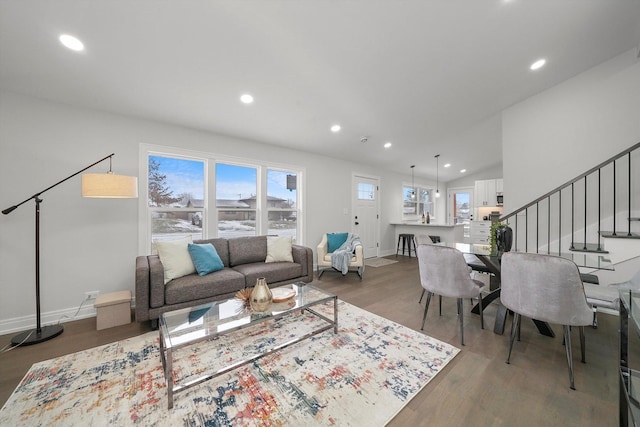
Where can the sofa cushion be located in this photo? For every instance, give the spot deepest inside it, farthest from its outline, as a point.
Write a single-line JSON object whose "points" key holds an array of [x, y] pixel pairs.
{"points": [[279, 249], [175, 257], [245, 250], [222, 248], [273, 272], [194, 287], [205, 258]]}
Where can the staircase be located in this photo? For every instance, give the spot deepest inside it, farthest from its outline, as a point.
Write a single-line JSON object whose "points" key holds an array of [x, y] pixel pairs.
{"points": [[586, 217]]}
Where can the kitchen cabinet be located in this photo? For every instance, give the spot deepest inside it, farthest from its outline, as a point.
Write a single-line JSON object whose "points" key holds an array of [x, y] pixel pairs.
{"points": [[479, 232], [485, 193]]}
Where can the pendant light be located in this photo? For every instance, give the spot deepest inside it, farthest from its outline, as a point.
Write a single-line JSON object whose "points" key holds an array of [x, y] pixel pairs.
{"points": [[413, 185], [437, 180]]}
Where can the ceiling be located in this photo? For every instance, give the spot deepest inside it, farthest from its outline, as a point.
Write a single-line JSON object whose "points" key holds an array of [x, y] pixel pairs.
{"points": [[431, 77]]}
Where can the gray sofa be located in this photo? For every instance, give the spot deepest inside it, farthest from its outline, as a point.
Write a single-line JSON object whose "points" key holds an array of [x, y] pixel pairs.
{"points": [[244, 261]]}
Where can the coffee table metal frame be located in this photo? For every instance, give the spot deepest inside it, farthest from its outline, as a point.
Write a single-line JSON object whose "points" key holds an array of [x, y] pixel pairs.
{"points": [[178, 331]]}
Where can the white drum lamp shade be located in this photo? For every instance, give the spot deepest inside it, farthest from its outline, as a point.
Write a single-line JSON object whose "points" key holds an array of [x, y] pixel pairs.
{"points": [[109, 185]]}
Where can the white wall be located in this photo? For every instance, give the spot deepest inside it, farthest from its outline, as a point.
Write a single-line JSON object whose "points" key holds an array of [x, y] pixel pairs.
{"points": [[558, 134], [91, 244], [468, 180]]}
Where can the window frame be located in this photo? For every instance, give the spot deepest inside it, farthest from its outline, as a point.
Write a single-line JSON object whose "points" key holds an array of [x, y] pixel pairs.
{"points": [[210, 209], [431, 203]]}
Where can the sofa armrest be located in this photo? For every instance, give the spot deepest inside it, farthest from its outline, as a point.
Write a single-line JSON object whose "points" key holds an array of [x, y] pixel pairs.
{"points": [[149, 285], [142, 288], [304, 256], [156, 281]]}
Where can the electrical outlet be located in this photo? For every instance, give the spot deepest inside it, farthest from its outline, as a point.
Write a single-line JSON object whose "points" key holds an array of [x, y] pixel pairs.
{"points": [[92, 294]]}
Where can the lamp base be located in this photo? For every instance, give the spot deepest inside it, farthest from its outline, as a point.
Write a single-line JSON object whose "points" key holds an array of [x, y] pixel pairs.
{"points": [[34, 337]]}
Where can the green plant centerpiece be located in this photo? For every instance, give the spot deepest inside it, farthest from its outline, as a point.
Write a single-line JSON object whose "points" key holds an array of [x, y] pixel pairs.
{"points": [[492, 236]]}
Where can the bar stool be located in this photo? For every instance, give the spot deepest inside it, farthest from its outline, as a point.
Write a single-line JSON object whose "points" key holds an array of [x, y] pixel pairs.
{"points": [[406, 239]]}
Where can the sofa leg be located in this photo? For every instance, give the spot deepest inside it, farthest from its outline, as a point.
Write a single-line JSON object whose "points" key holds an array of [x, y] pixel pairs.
{"points": [[154, 324], [320, 273]]}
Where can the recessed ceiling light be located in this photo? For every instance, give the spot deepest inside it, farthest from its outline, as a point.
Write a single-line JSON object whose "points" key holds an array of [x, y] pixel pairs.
{"points": [[246, 98], [71, 42], [447, 165], [463, 170], [387, 144], [335, 128], [538, 64]]}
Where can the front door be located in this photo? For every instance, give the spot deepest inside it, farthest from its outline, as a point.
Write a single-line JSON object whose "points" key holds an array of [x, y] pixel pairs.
{"points": [[365, 213]]}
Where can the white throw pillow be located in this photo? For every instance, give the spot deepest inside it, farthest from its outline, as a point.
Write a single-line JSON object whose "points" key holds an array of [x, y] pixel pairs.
{"points": [[279, 249], [175, 257]]}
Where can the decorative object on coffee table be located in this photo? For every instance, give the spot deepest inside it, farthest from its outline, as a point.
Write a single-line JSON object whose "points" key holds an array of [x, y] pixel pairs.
{"points": [[244, 295], [261, 296], [282, 294]]}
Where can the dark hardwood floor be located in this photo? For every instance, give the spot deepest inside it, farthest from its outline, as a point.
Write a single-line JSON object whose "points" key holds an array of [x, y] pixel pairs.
{"points": [[476, 389]]}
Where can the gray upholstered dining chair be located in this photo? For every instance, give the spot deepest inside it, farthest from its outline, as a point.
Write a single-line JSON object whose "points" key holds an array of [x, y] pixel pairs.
{"points": [[546, 288], [444, 272]]}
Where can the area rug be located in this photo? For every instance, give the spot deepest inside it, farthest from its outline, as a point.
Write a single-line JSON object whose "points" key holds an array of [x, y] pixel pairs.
{"points": [[364, 375], [378, 262]]}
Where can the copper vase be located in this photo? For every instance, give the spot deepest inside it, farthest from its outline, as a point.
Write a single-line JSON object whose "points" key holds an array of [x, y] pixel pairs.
{"points": [[261, 296]]}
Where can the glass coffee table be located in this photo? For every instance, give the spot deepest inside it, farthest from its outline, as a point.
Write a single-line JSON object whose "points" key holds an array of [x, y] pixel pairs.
{"points": [[186, 327]]}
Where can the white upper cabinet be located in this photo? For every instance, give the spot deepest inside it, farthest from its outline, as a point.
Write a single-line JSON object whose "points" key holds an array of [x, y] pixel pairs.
{"points": [[485, 193]]}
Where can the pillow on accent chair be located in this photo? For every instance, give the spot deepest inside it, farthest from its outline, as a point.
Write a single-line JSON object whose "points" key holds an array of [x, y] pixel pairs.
{"points": [[205, 258], [335, 240], [175, 258], [279, 249]]}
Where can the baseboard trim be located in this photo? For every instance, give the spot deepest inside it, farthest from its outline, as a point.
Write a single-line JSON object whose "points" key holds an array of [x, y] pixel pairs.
{"points": [[23, 323]]}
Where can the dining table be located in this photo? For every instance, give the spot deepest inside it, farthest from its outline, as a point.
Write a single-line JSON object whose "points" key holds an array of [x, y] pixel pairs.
{"points": [[490, 263]]}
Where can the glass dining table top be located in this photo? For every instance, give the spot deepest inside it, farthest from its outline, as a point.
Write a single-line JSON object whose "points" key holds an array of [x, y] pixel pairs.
{"points": [[581, 259]]}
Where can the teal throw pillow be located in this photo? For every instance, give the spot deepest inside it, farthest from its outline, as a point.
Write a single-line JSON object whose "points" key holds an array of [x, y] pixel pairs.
{"points": [[205, 258], [335, 240]]}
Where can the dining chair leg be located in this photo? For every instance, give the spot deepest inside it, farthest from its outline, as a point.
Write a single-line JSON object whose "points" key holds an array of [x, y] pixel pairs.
{"points": [[582, 348], [481, 311], [426, 307], [567, 345], [515, 325], [421, 295], [461, 315]]}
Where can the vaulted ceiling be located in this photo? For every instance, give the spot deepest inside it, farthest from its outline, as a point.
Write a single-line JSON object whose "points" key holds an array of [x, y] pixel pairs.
{"points": [[429, 76]]}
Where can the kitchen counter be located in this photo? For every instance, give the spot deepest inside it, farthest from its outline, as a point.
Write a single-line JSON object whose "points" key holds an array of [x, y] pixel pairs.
{"points": [[446, 232]]}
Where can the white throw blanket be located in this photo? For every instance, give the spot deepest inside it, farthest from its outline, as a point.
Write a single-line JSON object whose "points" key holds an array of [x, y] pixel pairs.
{"points": [[341, 257]]}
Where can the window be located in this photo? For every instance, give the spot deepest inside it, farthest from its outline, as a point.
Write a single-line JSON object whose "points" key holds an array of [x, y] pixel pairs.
{"points": [[281, 203], [205, 196], [236, 200], [176, 188], [416, 202], [366, 191]]}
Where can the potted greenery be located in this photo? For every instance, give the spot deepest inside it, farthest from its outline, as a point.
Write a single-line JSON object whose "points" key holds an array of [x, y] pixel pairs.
{"points": [[500, 237]]}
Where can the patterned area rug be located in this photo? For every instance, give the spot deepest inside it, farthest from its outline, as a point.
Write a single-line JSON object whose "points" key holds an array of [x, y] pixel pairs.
{"points": [[363, 375], [378, 262]]}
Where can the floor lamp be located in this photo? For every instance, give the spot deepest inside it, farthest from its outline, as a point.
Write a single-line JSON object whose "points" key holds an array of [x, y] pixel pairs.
{"points": [[106, 185]]}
